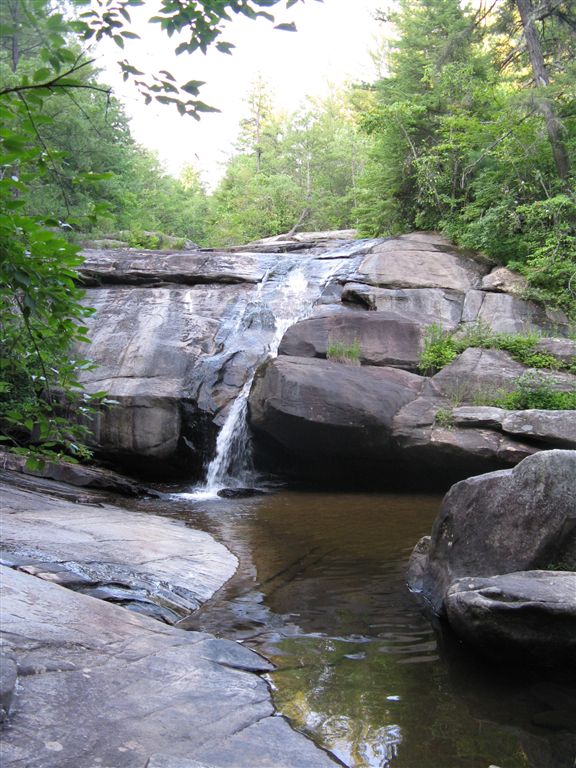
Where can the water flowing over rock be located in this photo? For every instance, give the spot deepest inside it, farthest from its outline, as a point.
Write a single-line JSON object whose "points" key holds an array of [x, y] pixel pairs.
{"points": [[178, 338]]}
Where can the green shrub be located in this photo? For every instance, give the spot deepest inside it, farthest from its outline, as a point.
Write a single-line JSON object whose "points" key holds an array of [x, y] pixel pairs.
{"points": [[440, 348], [444, 418], [532, 390]]}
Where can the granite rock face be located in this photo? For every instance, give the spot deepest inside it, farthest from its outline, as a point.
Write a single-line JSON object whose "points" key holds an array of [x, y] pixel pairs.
{"points": [[98, 685], [176, 336]]}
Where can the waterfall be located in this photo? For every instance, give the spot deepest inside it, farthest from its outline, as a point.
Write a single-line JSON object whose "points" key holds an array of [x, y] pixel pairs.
{"points": [[288, 291]]}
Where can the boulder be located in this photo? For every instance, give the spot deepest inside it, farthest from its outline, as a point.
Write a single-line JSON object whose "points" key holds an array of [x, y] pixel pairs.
{"points": [[416, 263], [503, 280], [557, 428], [322, 410], [505, 521], [527, 616], [382, 338]]}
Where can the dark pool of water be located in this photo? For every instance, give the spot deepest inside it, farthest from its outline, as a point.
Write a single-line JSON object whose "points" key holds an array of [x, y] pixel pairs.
{"points": [[320, 591]]}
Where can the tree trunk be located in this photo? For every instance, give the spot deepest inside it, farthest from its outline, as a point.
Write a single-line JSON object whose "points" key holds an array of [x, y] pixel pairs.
{"points": [[541, 78]]}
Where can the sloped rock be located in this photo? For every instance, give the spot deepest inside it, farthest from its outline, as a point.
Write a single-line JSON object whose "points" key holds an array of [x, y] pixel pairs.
{"points": [[78, 475], [414, 263], [528, 616], [476, 372], [433, 305], [509, 314], [505, 521], [563, 349], [483, 416], [100, 685], [383, 338], [452, 451], [150, 559], [142, 267]]}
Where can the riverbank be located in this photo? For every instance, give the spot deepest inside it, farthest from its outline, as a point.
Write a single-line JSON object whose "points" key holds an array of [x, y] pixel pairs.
{"points": [[88, 682]]}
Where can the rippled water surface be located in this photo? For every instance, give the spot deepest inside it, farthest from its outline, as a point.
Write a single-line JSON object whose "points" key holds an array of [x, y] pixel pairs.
{"points": [[320, 591]]}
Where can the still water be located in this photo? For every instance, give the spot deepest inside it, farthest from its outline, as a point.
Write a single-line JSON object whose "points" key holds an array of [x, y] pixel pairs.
{"points": [[320, 592]]}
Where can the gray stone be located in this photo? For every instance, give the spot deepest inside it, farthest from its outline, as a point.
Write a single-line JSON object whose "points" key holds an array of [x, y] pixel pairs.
{"points": [[8, 678], [152, 558], [563, 349], [143, 267], [433, 305], [129, 690], [555, 428], [503, 280], [483, 416], [509, 314], [407, 263], [383, 338], [77, 475], [485, 373], [504, 521], [529, 617]]}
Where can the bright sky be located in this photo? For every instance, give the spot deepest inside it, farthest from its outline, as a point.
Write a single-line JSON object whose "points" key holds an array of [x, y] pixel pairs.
{"points": [[332, 46]]}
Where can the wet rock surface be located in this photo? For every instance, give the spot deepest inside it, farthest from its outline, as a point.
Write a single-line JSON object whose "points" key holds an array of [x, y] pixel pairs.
{"points": [[98, 685], [148, 564]]}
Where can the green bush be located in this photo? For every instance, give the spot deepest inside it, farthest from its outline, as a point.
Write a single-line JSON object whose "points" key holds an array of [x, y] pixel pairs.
{"points": [[441, 347], [532, 390]]}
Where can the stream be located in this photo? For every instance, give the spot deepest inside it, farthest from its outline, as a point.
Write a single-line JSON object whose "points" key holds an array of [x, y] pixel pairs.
{"points": [[320, 592]]}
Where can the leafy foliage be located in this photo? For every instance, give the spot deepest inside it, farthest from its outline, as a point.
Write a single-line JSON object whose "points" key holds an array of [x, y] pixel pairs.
{"points": [[473, 134], [441, 347]]}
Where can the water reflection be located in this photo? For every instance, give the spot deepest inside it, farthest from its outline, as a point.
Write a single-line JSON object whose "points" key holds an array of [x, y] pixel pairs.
{"points": [[320, 591]]}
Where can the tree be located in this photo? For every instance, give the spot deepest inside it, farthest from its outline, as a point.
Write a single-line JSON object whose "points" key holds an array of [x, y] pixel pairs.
{"points": [[41, 306]]}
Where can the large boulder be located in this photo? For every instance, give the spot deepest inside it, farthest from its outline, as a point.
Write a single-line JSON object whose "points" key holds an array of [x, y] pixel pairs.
{"points": [[505, 521], [528, 616], [329, 413], [382, 338]]}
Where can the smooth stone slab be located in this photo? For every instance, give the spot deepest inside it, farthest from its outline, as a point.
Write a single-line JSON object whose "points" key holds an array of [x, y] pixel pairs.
{"points": [[100, 686], [173, 565], [405, 263], [554, 427]]}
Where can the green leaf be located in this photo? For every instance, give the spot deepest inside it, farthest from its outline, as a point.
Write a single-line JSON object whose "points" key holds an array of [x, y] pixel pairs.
{"points": [[192, 87], [287, 27]]}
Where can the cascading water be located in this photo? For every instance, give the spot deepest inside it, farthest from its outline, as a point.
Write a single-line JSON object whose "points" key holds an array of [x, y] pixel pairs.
{"points": [[287, 293]]}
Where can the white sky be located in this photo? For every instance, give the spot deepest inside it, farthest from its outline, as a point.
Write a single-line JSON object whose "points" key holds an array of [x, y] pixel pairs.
{"points": [[332, 46]]}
